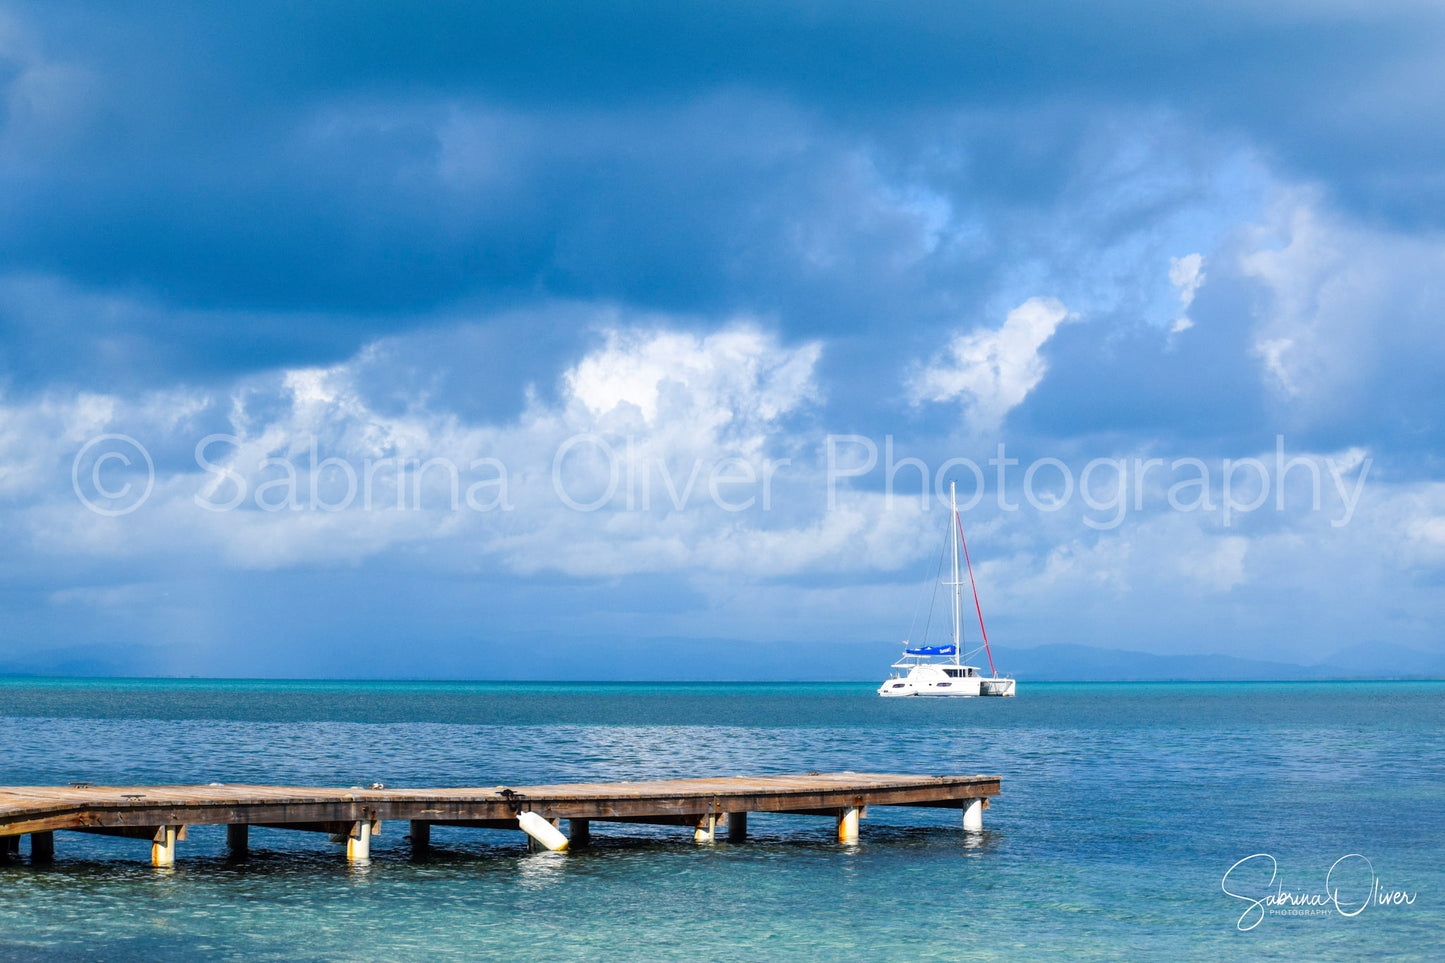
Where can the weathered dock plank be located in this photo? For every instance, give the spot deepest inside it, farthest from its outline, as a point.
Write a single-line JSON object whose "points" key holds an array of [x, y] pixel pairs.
{"points": [[161, 813]]}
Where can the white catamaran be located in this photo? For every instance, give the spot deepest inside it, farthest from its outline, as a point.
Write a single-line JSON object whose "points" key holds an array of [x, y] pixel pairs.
{"points": [[928, 670]]}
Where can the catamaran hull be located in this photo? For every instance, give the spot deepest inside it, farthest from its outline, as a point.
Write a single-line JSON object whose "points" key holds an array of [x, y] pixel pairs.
{"points": [[947, 688]]}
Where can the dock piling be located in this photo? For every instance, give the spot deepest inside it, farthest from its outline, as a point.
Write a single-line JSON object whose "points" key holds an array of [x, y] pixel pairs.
{"points": [[42, 847], [848, 824], [163, 845], [973, 815], [737, 827], [238, 839], [358, 841], [420, 836], [579, 832]]}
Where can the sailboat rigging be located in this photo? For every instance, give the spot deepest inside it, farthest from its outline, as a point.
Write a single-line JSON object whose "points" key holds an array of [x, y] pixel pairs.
{"points": [[926, 670]]}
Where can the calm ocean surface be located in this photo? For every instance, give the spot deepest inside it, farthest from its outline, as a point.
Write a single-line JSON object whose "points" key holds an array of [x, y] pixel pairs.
{"points": [[1123, 807]]}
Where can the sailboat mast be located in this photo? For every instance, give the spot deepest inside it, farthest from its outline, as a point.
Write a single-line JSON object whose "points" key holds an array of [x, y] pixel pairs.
{"points": [[957, 599]]}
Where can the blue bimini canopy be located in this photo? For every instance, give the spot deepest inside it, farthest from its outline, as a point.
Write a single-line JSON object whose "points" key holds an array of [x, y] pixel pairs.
{"points": [[933, 650]]}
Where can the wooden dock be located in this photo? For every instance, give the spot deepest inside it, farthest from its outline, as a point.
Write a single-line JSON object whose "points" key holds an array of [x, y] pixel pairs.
{"points": [[160, 814]]}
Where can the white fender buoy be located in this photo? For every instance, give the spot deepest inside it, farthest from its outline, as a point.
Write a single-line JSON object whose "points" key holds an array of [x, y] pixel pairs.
{"points": [[540, 829]]}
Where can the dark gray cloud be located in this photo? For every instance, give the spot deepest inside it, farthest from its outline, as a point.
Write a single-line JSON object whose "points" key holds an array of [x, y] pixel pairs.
{"points": [[339, 171]]}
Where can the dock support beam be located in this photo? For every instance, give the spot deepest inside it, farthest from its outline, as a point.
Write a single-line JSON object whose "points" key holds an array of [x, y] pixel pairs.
{"points": [[737, 827], [238, 839], [580, 832], [9, 846], [848, 824], [163, 846], [420, 836], [706, 828], [539, 828], [358, 841], [973, 815], [42, 847]]}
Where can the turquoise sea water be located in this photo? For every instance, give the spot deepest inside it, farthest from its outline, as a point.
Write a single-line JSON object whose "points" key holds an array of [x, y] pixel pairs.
{"points": [[1123, 807]]}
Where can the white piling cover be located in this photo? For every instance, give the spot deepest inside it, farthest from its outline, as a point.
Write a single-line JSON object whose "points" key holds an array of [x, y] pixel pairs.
{"points": [[358, 847]]}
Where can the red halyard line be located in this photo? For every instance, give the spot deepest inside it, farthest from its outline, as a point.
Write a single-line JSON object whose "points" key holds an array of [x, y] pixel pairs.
{"points": [[984, 632]]}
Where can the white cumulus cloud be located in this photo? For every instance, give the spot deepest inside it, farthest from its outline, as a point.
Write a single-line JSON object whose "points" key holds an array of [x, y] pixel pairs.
{"points": [[1186, 274], [993, 371], [738, 376], [1347, 309]]}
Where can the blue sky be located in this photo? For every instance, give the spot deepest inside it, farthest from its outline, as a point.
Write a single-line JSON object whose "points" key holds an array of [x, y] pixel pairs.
{"points": [[651, 289]]}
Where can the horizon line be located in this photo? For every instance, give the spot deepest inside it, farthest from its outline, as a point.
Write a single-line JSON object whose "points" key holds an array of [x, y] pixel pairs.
{"points": [[39, 676]]}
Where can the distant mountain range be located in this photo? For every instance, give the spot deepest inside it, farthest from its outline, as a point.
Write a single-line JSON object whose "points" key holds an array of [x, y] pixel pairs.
{"points": [[615, 658], [1062, 663]]}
